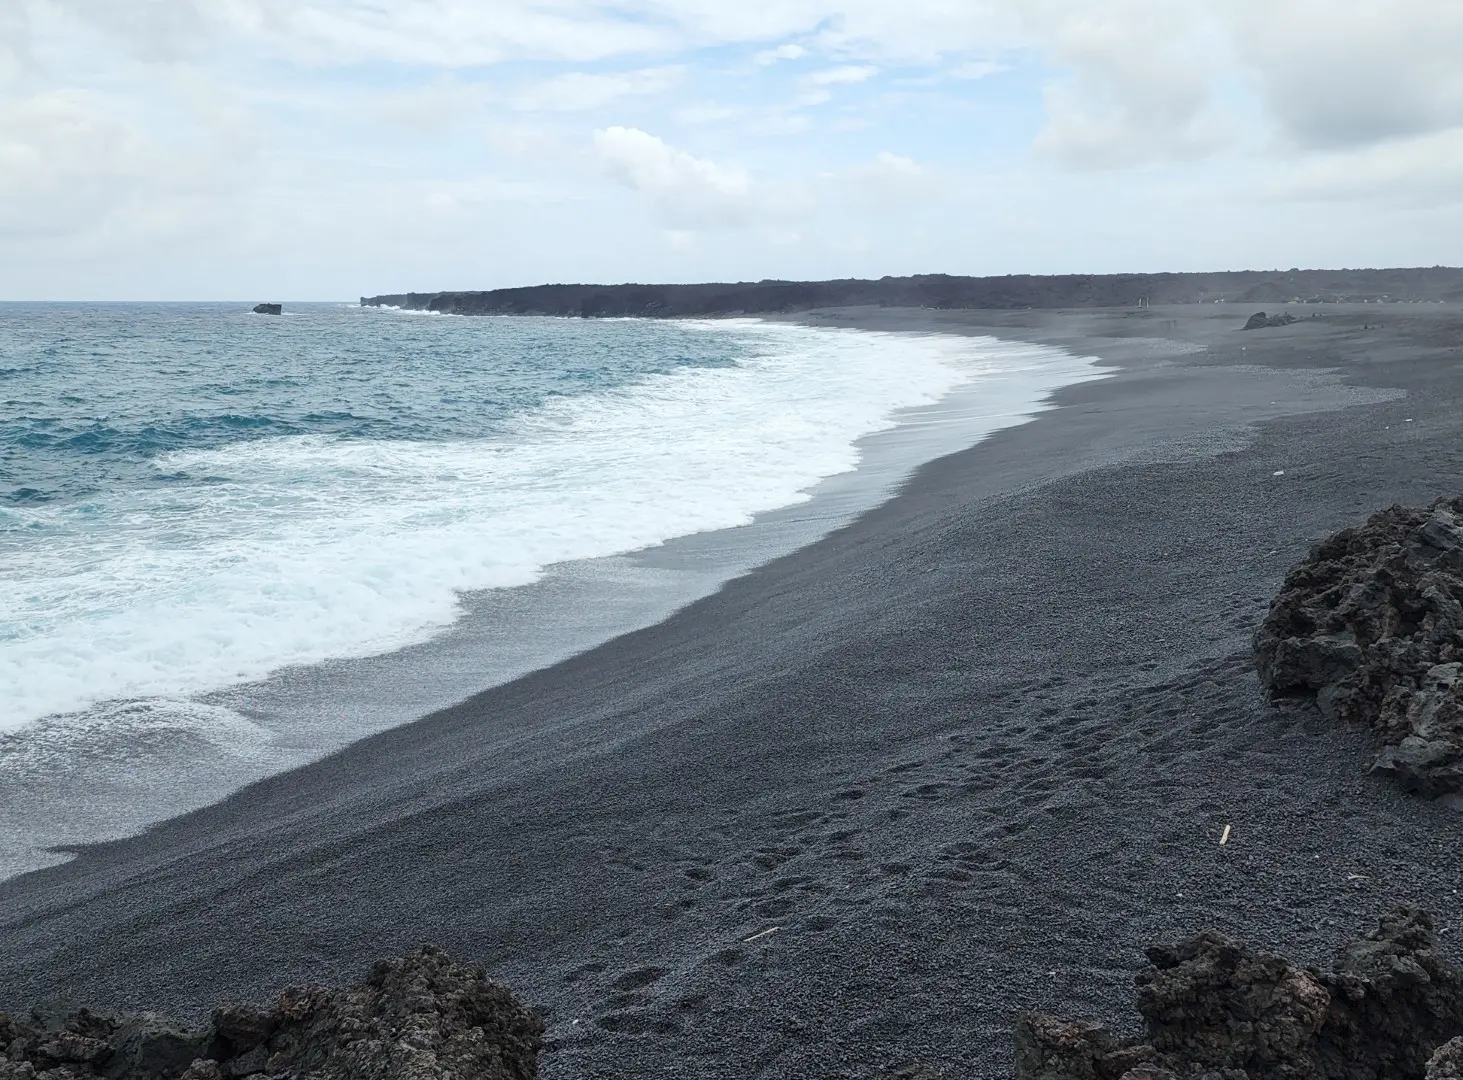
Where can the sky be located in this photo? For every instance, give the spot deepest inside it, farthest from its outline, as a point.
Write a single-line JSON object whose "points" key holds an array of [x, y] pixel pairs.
{"points": [[325, 149]]}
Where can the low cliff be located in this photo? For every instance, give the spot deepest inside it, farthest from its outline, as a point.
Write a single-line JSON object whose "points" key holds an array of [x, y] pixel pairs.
{"points": [[942, 291]]}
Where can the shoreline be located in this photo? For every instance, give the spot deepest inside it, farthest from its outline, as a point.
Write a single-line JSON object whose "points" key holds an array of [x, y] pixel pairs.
{"points": [[965, 753], [304, 712]]}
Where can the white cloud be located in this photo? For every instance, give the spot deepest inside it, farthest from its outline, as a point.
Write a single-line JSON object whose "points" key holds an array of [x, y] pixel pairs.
{"points": [[468, 32], [1348, 72], [1332, 71], [1139, 82], [889, 181], [1140, 75], [848, 75], [445, 33], [969, 71], [708, 112], [72, 166], [527, 143], [917, 32], [895, 165], [14, 41], [1425, 168], [1150, 81], [577, 91], [1262, 106], [439, 105], [977, 69], [162, 30], [685, 190], [768, 57], [781, 122]]}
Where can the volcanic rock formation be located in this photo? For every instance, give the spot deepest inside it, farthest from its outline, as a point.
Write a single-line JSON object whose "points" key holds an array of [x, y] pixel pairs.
{"points": [[1217, 1010], [1370, 626], [1259, 320], [418, 1018], [941, 291]]}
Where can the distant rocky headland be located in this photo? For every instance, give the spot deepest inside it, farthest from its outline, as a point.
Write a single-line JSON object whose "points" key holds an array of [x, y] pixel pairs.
{"points": [[944, 291]]}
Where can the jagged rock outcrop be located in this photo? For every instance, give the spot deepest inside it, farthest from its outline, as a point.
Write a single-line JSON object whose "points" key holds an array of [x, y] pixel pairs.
{"points": [[1214, 1009], [422, 1017], [1259, 320], [1370, 626]]}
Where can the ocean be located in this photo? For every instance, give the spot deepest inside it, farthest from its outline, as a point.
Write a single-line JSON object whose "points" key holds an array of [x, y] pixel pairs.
{"points": [[231, 543]]}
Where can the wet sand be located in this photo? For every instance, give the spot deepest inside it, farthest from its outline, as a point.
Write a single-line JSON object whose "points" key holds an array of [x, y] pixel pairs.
{"points": [[968, 754]]}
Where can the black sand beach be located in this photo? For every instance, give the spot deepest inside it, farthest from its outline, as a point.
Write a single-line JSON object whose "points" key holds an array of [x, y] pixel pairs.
{"points": [[967, 755]]}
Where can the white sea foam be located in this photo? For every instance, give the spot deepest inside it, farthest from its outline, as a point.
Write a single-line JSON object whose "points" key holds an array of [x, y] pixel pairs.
{"points": [[407, 310], [299, 549], [107, 737]]}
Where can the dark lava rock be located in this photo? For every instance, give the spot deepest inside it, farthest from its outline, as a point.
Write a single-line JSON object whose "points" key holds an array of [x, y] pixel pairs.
{"points": [[940, 291], [1050, 1049], [1209, 1002], [1393, 1001], [1259, 320], [1370, 626], [1214, 1009], [418, 1018], [1447, 1063], [268, 309]]}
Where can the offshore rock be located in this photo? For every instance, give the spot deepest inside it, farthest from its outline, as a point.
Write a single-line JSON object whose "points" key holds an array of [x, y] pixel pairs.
{"points": [[268, 309], [1370, 627], [417, 1018], [1215, 1009]]}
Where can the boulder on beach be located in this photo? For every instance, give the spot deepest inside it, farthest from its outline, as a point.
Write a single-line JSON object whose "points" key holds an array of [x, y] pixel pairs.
{"points": [[1210, 1007], [421, 1017], [268, 309], [1259, 320], [1370, 628]]}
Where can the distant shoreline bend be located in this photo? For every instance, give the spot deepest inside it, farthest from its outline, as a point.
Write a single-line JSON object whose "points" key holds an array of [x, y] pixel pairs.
{"points": [[1417, 285]]}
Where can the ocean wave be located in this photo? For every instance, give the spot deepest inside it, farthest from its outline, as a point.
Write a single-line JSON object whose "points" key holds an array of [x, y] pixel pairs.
{"points": [[109, 734], [307, 547]]}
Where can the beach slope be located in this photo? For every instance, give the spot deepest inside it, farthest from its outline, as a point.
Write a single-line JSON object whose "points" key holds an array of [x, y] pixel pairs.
{"points": [[965, 756]]}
